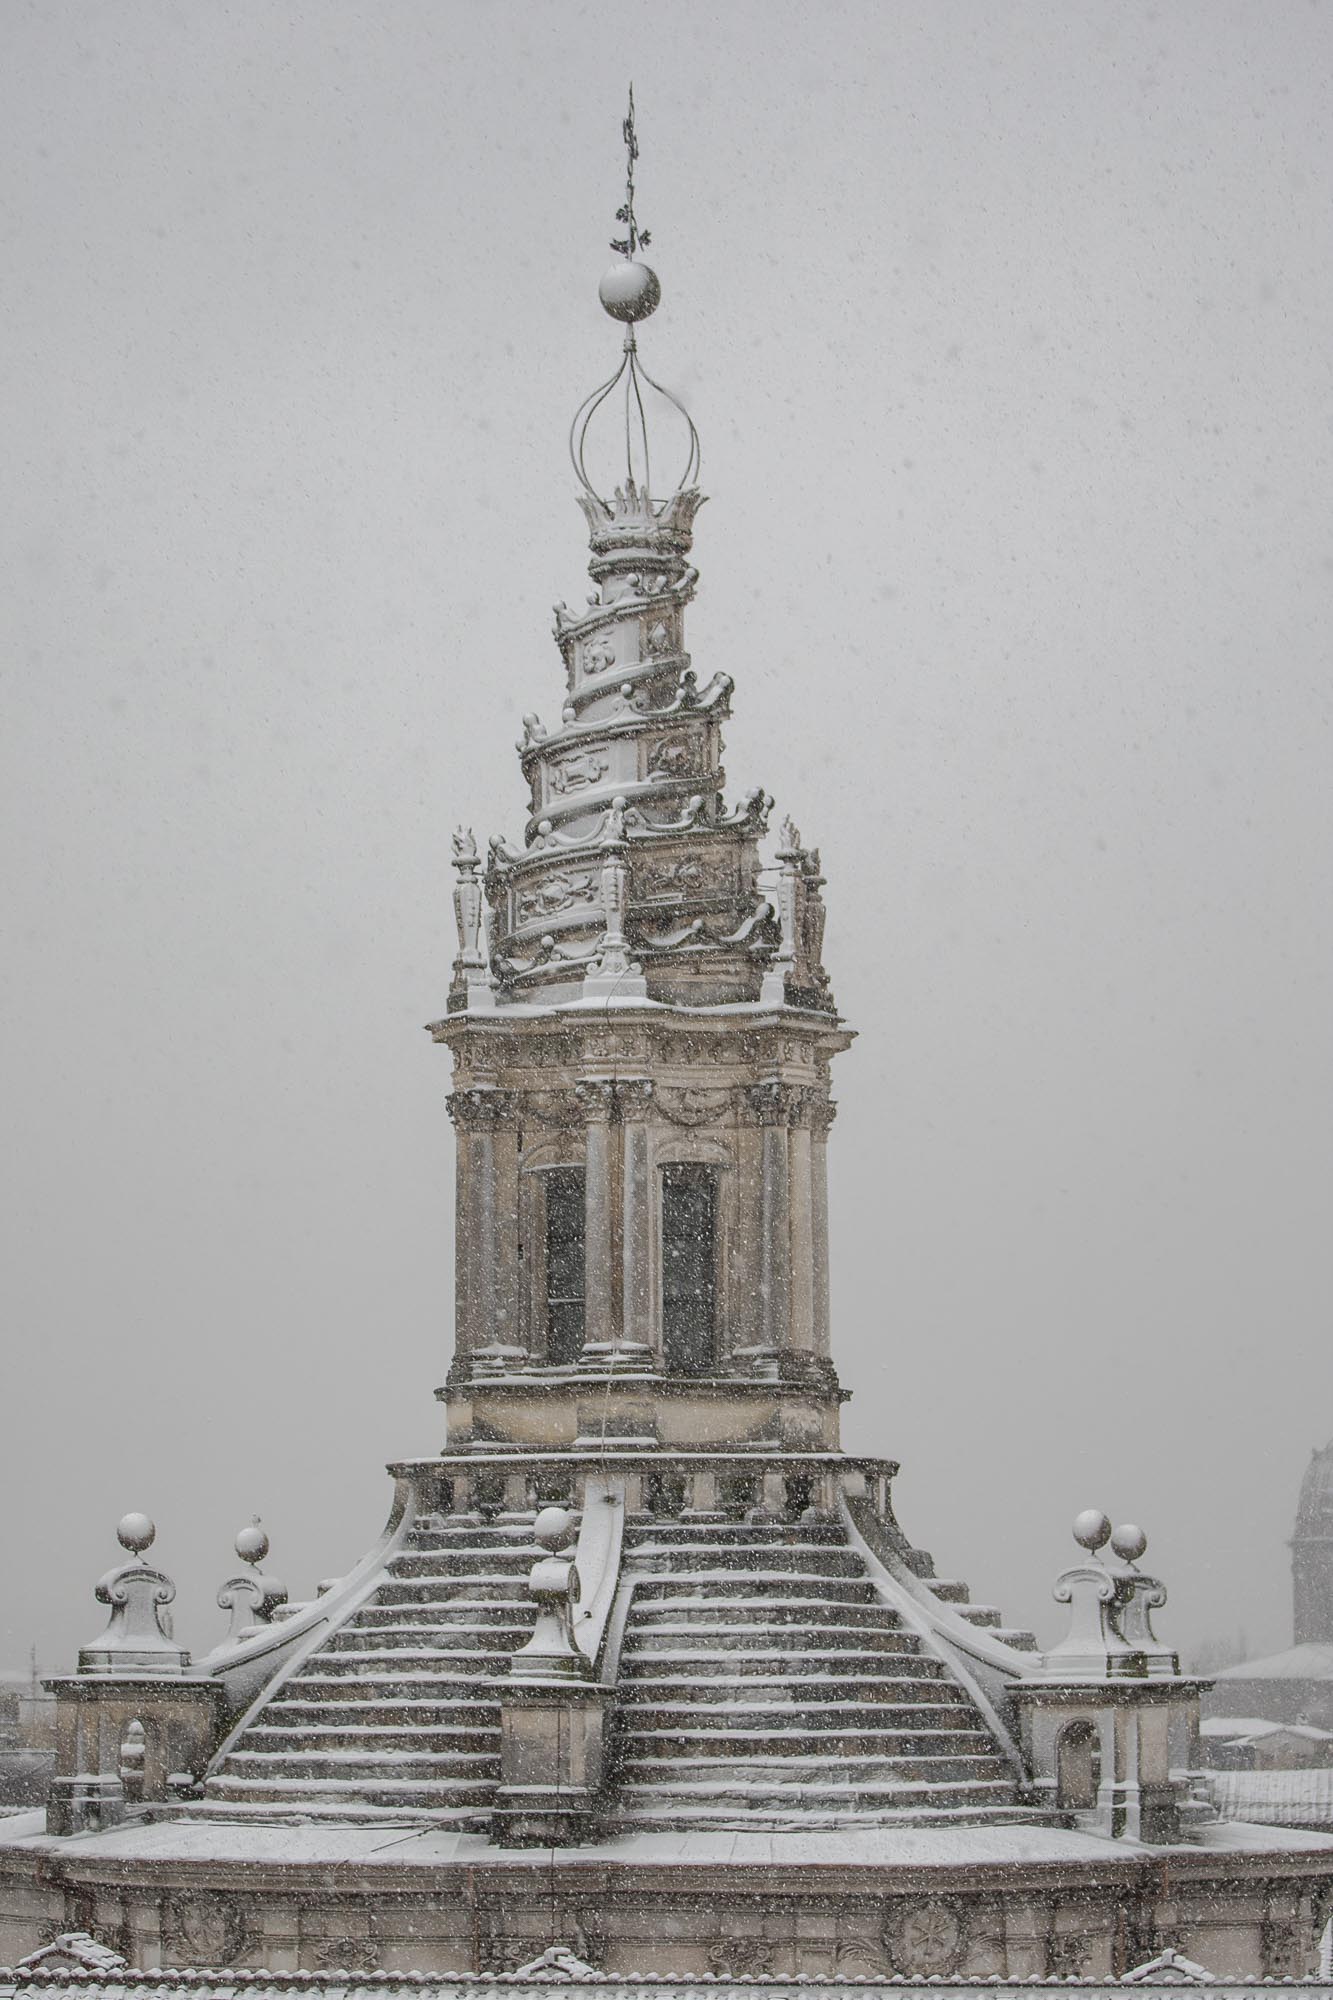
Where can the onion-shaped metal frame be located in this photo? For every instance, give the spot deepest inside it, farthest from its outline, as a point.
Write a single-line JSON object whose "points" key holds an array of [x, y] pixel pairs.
{"points": [[635, 378]]}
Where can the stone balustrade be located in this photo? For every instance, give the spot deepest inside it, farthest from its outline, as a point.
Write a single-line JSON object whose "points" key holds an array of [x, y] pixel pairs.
{"points": [[743, 1483]]}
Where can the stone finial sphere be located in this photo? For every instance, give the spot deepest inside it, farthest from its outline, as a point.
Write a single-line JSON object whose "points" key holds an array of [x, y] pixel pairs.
{"points": [[135, 1532], [553, 1527], [1129, 1542], [252, 1544], [630, 290], [1092, 1530]]}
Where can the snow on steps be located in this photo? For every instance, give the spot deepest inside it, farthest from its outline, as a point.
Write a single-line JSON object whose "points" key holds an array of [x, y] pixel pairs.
{"points": [[764, 1682], [397, 1715]]}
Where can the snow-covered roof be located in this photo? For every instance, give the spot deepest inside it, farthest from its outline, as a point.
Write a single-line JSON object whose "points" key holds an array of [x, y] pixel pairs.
{"points": [[1274, 1798], [1169, 1968], [1253, 1728]]}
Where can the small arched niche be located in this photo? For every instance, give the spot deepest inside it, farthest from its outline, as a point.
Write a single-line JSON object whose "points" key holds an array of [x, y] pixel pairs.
{"points": [[1078, 1767]]}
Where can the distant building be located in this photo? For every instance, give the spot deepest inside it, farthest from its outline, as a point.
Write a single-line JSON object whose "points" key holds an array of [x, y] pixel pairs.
{"points": [[27, 1739], [1295, 1686]]}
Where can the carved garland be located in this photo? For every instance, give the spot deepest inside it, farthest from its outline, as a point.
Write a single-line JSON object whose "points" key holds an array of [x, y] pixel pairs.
{"points": [[694, 1107]]}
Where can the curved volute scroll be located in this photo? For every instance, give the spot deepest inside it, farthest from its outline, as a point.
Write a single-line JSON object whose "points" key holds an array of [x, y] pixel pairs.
{"points": [[251, 1597], [1111, 1604], [138, 1638]]}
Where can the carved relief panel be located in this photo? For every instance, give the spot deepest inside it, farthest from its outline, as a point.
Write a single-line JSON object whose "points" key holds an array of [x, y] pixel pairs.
{"points": [[553, 895], [679, 878], [677, 753], [575, 771]]}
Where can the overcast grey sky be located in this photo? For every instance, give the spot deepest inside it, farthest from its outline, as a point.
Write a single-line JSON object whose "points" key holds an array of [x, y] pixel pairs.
{"points": [[1006, 328]]}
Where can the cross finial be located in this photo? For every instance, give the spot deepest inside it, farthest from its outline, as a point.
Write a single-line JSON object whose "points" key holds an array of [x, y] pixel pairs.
{"points": [[634, 239]]}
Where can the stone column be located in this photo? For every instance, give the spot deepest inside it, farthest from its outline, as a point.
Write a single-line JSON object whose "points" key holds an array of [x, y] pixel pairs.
{"points": [[822, 1113], [487, 1207], [771, 1105], [801, 1167], [639, 1331], [598, 1103]]}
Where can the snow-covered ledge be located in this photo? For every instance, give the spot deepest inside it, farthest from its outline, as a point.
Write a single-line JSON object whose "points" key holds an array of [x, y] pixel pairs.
{"points": [[250, 1670], [985, 1665]]}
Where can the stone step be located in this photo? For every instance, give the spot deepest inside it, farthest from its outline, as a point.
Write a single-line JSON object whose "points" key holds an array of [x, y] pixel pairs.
{"points": [[453, 1651], [821, 1557], [724, 1637], [821, 1773], [774, 1609], [669, 1746], [423, 1579], [330, 1672], [355, 1767], [469, 1539], [442, 1611], [438, 1792], [680, 1528], [353, 1710], [283, 1812], [814, 1666], [739, 1545], [785, 1712], [432, 1642], [337, 1735], [755, 1586], [753, 1817], [801, 1792], [501, 1564]]}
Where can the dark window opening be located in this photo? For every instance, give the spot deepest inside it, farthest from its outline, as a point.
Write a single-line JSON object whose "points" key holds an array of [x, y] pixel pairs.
{"points": [[689, 1269], [565, 1264]]}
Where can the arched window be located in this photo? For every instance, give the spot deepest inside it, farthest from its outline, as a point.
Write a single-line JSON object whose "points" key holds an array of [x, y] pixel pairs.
{"points": [[133, 1749], [565, 1264], [689, 1268]]}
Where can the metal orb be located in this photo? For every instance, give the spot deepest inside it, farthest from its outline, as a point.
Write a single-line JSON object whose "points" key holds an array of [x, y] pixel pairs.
{"points": [[553, 1527], [135, 1532], [630, 291], [1129, 1542], [252, 1544], [1092, 1530]]}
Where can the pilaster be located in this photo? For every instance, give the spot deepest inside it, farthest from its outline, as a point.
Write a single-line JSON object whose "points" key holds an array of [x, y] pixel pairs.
{"points": [[487, 1286], [634, 1096], [822, 1114], [597, 1101]]}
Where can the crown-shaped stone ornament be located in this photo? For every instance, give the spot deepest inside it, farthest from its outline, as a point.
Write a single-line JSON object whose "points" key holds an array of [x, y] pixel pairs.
{"points": [[138, 1639]]}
